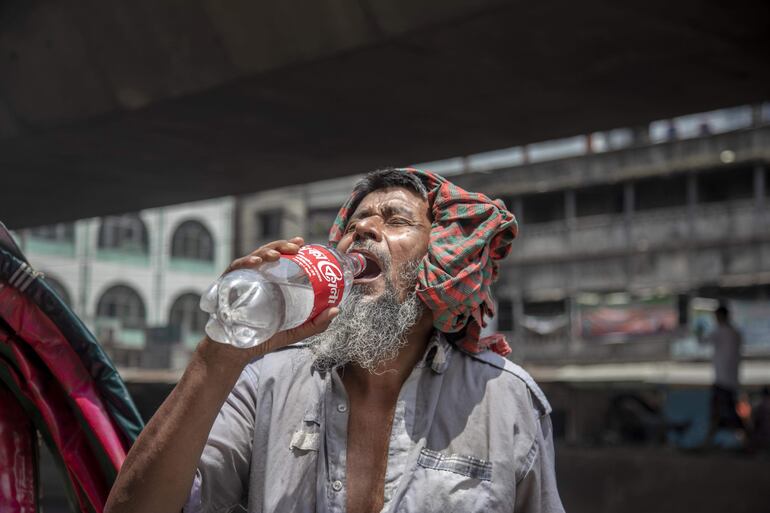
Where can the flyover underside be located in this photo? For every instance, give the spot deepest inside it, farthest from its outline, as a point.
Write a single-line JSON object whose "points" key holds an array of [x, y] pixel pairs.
{"points": [[507, 75]]}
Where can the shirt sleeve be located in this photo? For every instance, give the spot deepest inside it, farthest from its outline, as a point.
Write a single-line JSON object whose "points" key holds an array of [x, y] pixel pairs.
{"points": [[221, 480], [536, 491]]}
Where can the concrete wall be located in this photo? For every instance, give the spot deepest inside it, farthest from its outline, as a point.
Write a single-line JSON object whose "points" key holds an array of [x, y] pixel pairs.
{"points": [[651, 480]]}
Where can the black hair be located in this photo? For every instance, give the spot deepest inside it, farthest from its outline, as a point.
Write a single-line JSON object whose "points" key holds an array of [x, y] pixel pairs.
{"points": [[388, 177], [722, 312]]}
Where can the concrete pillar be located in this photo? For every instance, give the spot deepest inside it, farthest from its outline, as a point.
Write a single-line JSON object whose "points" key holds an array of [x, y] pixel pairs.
{"points": [[465, 165], [760, 213], [236, 228], [85, 251], [570, 210], [692, 202], [629, 205], [518, 208], [517, 304], [230, 224], [158, 263], [570, 207], [692, 212], [756, 115], [641, 135], [570, 215], [573, 332], [760, 177]]}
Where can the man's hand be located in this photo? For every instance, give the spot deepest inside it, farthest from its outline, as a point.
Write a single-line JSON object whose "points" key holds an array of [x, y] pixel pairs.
{"points": [[271, 253], [159, 468]]}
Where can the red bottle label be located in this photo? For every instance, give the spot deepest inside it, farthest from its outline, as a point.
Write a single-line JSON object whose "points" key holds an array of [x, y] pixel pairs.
{"points": [[325, 274]]}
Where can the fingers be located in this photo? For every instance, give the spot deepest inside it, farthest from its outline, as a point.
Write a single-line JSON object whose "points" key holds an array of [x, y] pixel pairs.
{"points": [[267, 253], [248, 262], [273, 251], [289, 247]]}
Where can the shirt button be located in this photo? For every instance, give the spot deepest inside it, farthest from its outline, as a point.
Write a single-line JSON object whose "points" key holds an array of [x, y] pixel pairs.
{"points": [[342, 408], [337, 486]]}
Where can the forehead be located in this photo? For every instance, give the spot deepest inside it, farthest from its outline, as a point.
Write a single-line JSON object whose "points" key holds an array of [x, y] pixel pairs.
{"points": [[393, 198]]}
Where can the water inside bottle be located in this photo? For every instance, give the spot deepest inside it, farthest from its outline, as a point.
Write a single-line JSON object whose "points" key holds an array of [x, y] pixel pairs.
{"points": [[247, 311], [250, 311]]}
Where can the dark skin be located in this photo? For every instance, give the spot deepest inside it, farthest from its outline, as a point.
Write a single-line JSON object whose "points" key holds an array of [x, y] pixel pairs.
{"points": [[159, 469], [168, 449], [397, 221]]}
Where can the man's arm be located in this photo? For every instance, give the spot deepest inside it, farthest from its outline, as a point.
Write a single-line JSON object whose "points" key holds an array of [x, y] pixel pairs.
{"points": [[160, 467], [537, 491]]}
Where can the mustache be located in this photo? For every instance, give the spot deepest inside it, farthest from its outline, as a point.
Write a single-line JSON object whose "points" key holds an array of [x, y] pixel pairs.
{"points": [[371, 247]]}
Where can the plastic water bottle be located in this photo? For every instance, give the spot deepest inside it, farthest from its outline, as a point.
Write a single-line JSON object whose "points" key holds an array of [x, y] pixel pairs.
{"points": [[248, 306]]}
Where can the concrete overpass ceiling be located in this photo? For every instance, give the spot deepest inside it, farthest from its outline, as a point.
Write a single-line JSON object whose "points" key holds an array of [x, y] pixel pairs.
{"points": [[111, 106]]}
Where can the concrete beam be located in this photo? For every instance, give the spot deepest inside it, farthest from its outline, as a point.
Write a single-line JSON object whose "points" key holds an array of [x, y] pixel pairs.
{"points": [[113, 106]]}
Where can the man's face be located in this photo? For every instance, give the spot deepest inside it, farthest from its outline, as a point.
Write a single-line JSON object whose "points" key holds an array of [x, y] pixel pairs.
{"points": [[391, 227]]}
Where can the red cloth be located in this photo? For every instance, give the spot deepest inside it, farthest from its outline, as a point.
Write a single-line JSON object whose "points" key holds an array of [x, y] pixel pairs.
{"points": [[42, 335], [18, 489], [39, 390], [470, 233]]}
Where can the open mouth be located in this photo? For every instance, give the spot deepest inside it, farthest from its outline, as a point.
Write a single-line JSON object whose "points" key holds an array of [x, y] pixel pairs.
{"points": [[372, 271]]}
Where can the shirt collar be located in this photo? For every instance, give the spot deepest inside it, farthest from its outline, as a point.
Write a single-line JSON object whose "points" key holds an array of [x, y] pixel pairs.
{"points": [[437, 353]]}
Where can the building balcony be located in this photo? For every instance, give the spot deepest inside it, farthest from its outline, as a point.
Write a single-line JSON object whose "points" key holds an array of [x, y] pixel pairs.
{"points": [[662, 229], [560, 349]]}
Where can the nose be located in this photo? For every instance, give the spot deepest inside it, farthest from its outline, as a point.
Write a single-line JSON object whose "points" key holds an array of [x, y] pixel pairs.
{"points": [[368, 228]]}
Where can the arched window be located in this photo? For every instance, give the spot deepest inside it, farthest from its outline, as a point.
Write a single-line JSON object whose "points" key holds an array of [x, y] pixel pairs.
{"points": [[192, 241], [270, 224], [124, 303], [60, 290], [187, 315], [125, 233]]}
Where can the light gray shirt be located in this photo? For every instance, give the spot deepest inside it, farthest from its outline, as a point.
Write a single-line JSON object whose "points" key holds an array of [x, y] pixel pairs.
{"points": [[470, 433], [727, 355]]}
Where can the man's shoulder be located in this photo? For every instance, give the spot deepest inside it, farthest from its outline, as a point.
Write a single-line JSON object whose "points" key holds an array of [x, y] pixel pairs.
{"points": [[510, 371], [287, 360]]}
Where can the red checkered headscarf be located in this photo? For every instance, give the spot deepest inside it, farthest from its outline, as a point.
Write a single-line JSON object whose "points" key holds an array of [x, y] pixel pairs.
{"points": [[470, 232]]}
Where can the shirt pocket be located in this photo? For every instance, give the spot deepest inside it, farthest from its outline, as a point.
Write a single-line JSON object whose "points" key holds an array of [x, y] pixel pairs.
{"points": [[449, 483], [307, 437], [468, 466]]}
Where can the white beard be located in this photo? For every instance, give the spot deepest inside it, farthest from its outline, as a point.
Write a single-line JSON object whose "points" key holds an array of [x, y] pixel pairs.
{"points": [[369, 331]]}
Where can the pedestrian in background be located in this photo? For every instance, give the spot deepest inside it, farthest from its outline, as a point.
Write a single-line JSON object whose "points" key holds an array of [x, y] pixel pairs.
{"points": [[726, 341]]}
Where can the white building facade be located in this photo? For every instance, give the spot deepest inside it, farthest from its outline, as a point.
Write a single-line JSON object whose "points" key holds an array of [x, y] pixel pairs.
{"points": [[136, 279]]}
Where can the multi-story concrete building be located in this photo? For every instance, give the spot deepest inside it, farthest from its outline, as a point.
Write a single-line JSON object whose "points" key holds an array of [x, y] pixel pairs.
{"points": [[136, 279], [627, 238], [628, 241], [619, 251], [305, 210]]}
